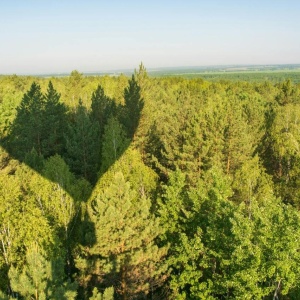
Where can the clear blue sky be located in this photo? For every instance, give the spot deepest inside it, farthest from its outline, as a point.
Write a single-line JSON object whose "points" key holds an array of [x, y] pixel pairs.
{"points": [[39, 36]]}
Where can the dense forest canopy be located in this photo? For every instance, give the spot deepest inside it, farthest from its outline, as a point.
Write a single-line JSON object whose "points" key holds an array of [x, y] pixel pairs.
{"points": [[149, 188]]}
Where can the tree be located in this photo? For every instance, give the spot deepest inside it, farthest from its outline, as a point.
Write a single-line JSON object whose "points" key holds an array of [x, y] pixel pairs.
{"points": [[74, 87], [102, 108], [283, 158], [238, 145], [114, 143], [10, 208], [108, 294], [54, 123], [125, 232], [22, 220], [39, 124], [287, 93], [27, 130], [133, 107], [251, 182], [83, 145], [199, 233], [41, 279], [265, 257]]}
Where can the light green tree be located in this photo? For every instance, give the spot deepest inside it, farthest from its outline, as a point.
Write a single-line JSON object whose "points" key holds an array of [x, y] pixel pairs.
{"points": [[265, 259], [123, 246], [41, 279], [284, 157], [108, 294]]}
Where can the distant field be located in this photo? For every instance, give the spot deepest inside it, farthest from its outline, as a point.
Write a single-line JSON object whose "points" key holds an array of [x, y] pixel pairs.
{"points": [[246, 76], [252, 74]]}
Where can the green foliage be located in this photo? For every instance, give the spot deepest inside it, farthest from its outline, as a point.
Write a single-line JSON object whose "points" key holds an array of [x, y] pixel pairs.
{"points": [[287, 93], [201, 243], [125, 233], [54, 122], [114, 144], [161, 188], [219, 249], [265, 259], [133, 107], [41, 279], [39, 124], [283, 151], [251, 182], [102, 108], [27, 130], [83, 145], [108, 294]]}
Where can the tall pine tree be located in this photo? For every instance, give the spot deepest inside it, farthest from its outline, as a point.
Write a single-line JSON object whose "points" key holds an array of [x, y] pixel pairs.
{"points": [[133, 107], [54, 123], [83, 145], [27, 130]]}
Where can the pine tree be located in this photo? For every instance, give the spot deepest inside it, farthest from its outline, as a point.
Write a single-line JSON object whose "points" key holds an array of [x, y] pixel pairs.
{"points": [[102, 108], [133, 107], [41, 279], [54, 123], [125, 233], [27, 130], [108, 294], [82, 145]]}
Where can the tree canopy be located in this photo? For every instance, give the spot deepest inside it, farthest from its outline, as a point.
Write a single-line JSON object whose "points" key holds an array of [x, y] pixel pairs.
{"points": [[149, 188]]}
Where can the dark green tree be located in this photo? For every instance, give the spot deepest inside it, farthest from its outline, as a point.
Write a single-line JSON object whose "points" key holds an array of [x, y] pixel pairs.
{"points": [[27, 130], [102, 108], [83, 145], [39, 124], [133, 107], [54, 123]]}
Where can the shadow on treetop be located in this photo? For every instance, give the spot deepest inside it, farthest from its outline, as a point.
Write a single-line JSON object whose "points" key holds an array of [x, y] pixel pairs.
{"points": [[86, 141]]}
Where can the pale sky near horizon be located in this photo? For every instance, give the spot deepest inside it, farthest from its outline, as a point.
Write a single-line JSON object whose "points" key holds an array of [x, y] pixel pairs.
{"points": [[61, 35]]}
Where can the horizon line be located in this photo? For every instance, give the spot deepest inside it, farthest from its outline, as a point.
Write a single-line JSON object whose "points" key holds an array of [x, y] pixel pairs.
{"points": [[151, 69]]}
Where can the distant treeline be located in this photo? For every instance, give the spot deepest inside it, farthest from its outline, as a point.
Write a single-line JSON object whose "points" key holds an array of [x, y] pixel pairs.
{"points": [[249, 76]]}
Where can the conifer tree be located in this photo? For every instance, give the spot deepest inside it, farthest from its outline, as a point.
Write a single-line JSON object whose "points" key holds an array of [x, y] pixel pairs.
{"points": [[133, 107], [125, 251], [41, 279], [238, 146], [82, 145], [27, 130], [102, 108], [108, 294], [54, 123]]}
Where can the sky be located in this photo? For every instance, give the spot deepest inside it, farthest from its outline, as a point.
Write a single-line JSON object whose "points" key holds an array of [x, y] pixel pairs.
{"points": [[57, 36]]}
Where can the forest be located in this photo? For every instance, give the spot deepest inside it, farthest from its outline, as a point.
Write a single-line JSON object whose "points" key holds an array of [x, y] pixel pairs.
{"points": [[139, 187]]}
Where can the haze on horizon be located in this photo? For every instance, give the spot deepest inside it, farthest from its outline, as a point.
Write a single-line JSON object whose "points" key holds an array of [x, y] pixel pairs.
{"points": [[60, 36]]}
